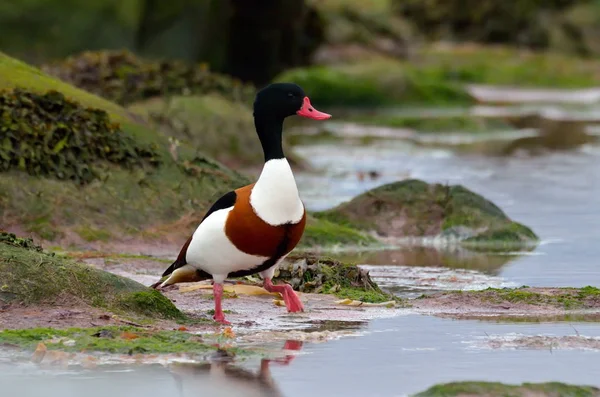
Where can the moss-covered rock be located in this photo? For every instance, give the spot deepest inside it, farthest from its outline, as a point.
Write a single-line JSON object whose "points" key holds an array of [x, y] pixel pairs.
{"points": [[31, 276], [51, 135], [415, 208], [122, 77], [495, 389], [320, 275]]}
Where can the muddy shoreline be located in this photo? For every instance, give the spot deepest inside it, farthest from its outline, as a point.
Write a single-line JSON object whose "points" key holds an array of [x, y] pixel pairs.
{"points": [[255, 310]]}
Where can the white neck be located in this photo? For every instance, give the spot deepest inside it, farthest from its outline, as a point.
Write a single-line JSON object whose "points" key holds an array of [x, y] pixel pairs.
{"points": [[275, 197]]}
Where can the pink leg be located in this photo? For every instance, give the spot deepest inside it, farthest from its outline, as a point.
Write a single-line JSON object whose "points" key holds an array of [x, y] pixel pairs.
{"points": [[218, 295], [292, 302]]}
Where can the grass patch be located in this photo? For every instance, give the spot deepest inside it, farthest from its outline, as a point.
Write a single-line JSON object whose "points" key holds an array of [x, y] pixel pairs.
{"points": [[31, 276], [123, 340], [494, 389]]}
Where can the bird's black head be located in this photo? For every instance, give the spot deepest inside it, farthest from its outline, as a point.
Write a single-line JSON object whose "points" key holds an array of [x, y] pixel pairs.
{"points": [[280, 100]]}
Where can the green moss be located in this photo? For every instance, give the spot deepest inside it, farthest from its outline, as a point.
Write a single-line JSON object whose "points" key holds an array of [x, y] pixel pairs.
{"points": [[324, 233], [565, 298], [493, 389], [122, 77], [30, 276], [14, 73], [121, 340], [150, 303], [51, 135]]}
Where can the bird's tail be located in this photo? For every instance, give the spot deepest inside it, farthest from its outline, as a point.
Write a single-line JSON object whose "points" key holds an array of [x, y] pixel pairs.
{"points": [[180, 273]]}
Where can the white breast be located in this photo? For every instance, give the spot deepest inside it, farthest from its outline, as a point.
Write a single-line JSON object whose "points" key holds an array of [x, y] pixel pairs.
{"points": [[210, 249], [275, 197]]}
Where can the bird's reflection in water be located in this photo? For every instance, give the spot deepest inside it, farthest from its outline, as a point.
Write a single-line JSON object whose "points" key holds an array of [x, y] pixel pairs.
{"points": [[222, 378]]}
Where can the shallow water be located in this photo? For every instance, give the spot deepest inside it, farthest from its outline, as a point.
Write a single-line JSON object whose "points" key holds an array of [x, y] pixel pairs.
{"points": [[555, 194]]}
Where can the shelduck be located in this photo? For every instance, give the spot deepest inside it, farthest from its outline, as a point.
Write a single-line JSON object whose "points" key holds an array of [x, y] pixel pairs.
{"points": [[252, 229]]}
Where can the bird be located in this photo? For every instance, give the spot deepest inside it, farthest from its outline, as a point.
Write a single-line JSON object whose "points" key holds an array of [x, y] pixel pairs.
{"points": [[253, 228]]}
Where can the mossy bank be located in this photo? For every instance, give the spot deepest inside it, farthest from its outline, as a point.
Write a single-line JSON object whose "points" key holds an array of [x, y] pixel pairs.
{"points": [[31, 276]]}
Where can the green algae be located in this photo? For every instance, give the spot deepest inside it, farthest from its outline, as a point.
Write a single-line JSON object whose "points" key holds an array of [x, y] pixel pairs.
{"points": [[111, 339], [150, 303], [493, 389]]}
